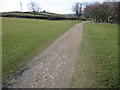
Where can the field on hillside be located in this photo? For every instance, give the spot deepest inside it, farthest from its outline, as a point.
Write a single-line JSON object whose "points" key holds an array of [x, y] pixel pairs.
{"points": [[24, 38], [40, 15], [98, 62]]}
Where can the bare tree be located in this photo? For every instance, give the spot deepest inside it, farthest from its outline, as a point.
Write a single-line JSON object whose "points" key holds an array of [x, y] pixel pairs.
{"points": [[77, 8], [34, 7]]}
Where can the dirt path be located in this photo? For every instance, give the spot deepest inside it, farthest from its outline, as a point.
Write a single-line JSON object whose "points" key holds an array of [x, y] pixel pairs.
{"points": [[54, 67]]}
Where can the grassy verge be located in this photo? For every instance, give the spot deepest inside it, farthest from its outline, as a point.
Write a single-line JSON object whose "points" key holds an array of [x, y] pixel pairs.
{"points": [[24, 38], [98, 62]]}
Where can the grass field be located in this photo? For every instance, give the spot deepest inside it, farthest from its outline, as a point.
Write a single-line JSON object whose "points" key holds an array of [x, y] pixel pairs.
{"points": [[98, 62], [24, 38], [40, 14], [31, 14]]}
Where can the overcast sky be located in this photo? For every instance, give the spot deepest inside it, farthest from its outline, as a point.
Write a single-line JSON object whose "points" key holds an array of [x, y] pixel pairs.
{"points": [[55, 6]]}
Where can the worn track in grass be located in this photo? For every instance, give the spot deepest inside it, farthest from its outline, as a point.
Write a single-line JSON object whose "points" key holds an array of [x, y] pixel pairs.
{"points": [[54, 67]]}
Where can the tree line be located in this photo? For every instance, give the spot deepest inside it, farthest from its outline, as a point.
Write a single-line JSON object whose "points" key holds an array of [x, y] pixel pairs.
{"points": [[106, 12]]}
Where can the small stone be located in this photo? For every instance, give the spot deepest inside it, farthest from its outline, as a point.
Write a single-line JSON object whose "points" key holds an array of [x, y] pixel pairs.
{"points": [[16, 77], [52, 77], [46, 69], [54, 83], [44, 72], [36, 80], [31, 84], [43, 86], [15, 83], [44, 76], [58, 65], [11, 85], [61, 70]]}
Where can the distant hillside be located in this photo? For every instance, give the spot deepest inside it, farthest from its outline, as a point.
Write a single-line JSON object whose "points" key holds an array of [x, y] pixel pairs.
{"points": [[40, 15], [70, 15]]}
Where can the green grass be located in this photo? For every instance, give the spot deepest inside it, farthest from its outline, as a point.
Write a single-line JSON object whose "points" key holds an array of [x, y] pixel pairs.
{"points": [[15, 13], [98, 62], [51, 14], [24, 38], [40, 14]]}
